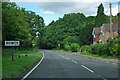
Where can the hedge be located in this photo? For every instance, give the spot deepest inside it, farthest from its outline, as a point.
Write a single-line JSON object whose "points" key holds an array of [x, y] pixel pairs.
{"points": [[67, 47], [74, 47], [111, 48]]}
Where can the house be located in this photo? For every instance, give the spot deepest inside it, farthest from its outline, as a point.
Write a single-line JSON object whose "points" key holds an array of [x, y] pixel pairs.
{"points": [[96, 34], [105, 32], [102, 34]]}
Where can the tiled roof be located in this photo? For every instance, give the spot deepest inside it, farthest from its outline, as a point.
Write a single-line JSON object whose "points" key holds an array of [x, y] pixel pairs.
{"points": [[116, 26], [97, 30]]}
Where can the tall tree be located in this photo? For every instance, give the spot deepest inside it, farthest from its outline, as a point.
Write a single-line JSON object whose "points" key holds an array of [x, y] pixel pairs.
{"points": [[101, 17], [19, 24], [63, 31]]}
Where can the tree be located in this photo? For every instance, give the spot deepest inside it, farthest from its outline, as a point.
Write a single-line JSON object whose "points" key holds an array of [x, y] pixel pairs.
{"points": [[18, 24], [101, 17], [64, 30], [72, 28]]}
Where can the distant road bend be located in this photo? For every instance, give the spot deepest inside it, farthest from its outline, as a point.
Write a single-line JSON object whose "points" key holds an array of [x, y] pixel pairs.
{"points": [[64, 65]]}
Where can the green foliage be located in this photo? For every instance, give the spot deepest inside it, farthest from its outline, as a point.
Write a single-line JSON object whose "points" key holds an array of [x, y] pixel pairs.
{"points": [[111, 48], [72, 28], [86, 48], [114, 47], [70, 40], [19, 24], [19, 65], [67, 47], [96, 49], [74, 47], [85, 34], [101, 17]]}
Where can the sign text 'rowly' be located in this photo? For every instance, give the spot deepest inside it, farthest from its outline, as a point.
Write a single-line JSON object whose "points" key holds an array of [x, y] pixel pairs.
{"points": [[12, 43]]}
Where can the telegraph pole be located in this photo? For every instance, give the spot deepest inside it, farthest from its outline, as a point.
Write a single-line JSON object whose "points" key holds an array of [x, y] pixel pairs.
{"points": [[111, 22]]}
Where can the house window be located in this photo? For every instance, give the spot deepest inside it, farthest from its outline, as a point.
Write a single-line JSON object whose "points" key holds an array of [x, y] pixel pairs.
{"points": [[94, 35], [103, 34]]}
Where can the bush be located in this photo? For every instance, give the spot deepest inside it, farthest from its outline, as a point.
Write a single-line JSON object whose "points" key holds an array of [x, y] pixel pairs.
{"points": [[100, 49], [104, 49], [67, 47], [112, 48], [74, 47], [94, 49], [86, 48]]}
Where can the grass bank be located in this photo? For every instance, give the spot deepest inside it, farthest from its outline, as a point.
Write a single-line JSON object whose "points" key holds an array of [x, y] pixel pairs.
{"points": [[101, 56], [23, 59]]}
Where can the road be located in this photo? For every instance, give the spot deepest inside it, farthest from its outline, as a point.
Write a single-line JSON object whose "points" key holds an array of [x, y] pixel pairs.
{"points": [[66, 65]]}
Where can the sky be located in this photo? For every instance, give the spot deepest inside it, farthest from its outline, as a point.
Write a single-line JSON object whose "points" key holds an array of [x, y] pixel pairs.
{"points": [[54, 9]]}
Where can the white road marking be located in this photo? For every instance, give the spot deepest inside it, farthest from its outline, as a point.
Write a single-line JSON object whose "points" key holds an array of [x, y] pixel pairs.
{"points": [[33, 68], [67, 58], [104, 79], [74, 61], [87, 68], [113, 63]]}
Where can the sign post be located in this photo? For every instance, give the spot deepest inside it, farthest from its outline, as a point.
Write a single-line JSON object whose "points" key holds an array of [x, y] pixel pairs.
{"points": [[12, 43], [12, 54]]}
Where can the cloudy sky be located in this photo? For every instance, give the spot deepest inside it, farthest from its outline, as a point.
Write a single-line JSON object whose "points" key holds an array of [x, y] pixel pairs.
{"points": [[53, 9]]}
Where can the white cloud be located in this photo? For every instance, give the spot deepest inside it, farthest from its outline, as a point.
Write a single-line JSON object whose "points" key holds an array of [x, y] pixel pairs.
{"points": [[48, 12], [114, 10], [69, 7], [88, 7], [90, 1], [46, 24]]}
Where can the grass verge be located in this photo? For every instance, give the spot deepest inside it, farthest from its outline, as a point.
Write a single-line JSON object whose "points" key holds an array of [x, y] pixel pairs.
{"points": [[63, 50], [23, 59], [94, 55], [100, 56]]}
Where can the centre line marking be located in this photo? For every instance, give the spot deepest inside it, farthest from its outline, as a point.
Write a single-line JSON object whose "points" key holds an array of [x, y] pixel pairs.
{"points": [[74, 61], [66, 58], [87, 68]]}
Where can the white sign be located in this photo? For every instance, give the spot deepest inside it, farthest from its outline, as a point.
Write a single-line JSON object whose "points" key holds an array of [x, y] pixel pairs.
{"points": [[12, 43]]}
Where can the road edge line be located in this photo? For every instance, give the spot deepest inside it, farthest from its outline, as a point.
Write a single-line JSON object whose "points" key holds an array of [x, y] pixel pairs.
{"points": [[33, 68]]}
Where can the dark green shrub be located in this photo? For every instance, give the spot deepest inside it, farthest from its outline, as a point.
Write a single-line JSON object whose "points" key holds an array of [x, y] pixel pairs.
{"points": [[94, 49], [97, 48], [105, 49], [67, 47], [114, 47], [118, 51], [86, 48], [74, 47]]}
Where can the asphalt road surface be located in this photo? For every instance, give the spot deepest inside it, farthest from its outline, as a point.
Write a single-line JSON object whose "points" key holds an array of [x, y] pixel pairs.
{"points": [[66, 65]]}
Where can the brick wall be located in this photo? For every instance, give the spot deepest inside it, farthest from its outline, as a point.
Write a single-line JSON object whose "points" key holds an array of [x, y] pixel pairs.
{"points": [[96, 38]]}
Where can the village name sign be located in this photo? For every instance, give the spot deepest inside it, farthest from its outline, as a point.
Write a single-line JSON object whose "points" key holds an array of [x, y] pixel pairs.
{"points": [[12, 44]]}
